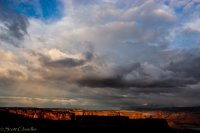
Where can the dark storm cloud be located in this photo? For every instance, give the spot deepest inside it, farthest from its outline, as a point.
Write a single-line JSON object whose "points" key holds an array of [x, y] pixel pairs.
{"points": [[176, 74], [187, 67], [118, 81], [67, 62], [13, 26]]}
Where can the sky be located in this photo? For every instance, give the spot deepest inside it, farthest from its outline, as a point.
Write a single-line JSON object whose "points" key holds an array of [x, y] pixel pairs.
{"points": [[99, 54]]}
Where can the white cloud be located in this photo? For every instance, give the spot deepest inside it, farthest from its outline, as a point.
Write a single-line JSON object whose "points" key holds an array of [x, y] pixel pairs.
{"points": [[148, 73], [165, 15], [193, 26], [7, 55], [56, 54]]}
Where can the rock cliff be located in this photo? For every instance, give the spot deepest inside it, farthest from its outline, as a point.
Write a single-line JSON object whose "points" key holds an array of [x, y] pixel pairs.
{"points": [[174, 119]]}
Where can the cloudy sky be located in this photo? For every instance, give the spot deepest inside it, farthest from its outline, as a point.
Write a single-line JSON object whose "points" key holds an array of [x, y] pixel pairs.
{"points": [[99, 54]]}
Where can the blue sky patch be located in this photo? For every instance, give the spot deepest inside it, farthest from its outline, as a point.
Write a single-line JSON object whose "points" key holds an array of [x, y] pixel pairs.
{"points": [[41, 9]]}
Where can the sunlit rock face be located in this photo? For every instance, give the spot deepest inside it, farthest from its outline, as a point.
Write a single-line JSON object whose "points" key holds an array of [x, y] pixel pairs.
{"points": [[45, 114], [174, 119]]}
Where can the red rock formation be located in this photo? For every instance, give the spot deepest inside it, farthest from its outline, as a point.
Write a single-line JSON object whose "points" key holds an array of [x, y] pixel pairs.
{"points": [[175, 120], [45, 114]]}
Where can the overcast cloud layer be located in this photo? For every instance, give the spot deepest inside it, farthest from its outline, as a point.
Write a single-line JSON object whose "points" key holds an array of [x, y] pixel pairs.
{"points": [[101, 54]]}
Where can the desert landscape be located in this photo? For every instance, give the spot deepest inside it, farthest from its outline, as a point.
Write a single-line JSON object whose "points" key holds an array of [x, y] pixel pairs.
{"points": [[45, 119]]}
